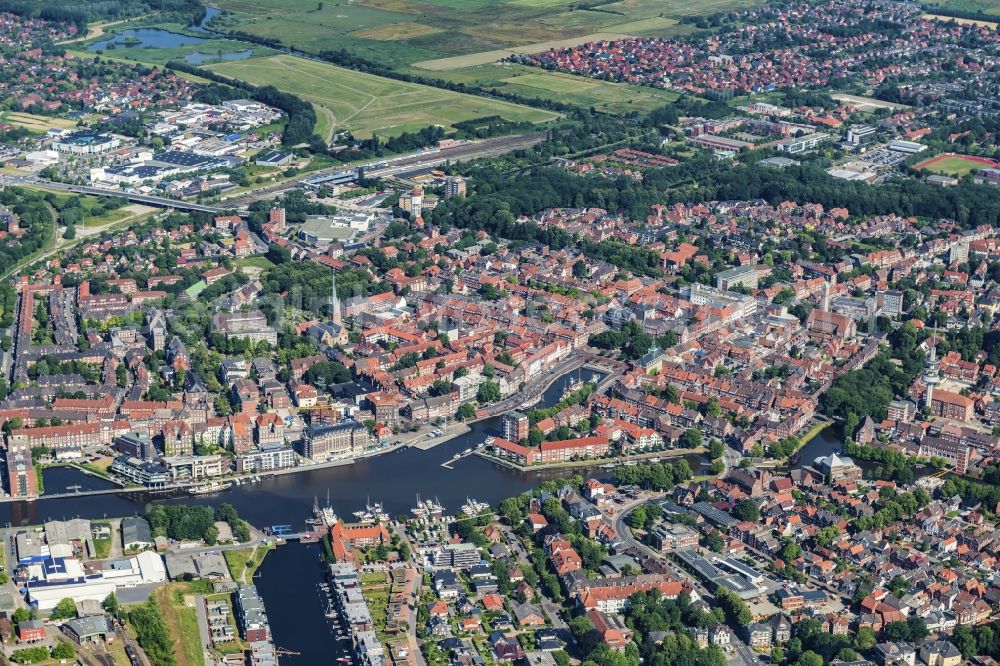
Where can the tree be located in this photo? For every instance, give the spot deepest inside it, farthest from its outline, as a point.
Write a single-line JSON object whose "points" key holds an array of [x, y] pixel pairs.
{"points": [[790, 551], [637, 518], [64, 610], [865, 638], [110, 604], [746, 510], [847, 654], [691, 438], [63, 651], [734, 607], [810, 658], [488, 392], [21, 615], [715, 449], [466, 411]]}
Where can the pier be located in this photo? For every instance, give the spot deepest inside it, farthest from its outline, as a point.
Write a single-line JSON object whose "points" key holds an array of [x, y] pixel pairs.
{"points": [[284, 534], [447, 464]]}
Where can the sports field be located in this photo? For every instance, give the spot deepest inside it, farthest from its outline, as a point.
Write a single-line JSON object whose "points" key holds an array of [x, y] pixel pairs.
{"points": [[951, 164], [367, 104]]}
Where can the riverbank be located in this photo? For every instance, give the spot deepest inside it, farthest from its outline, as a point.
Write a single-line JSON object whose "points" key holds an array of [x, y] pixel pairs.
{"points": [[652, 456], [428, 443], [819, 426]]}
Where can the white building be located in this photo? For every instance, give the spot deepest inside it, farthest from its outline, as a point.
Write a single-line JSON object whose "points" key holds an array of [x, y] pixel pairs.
{"points": [[59, 578]]}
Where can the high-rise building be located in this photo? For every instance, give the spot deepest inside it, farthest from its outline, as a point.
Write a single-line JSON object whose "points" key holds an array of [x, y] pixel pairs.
{"points": [[276, 216], [454, 186], [515, 426]]}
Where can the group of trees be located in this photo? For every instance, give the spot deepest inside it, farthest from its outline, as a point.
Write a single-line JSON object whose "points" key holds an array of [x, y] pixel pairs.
{"points": [[33, 214], [33, 655], [650, 612], [194, 523], [631, 340], [83, 11], [865, 392], [327, 373], [152, 633], [307, 285], [654, 476]]}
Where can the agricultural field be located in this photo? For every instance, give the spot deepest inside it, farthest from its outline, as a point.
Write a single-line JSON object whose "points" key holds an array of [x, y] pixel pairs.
{"points": [[950, 164], [36, 123], [367, 104], [991, 7], [438, 37], [962, 21]]}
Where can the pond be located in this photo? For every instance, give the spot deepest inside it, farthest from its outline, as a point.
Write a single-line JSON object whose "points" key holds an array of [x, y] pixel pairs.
{"points": [[146, 38], [200, 58]]}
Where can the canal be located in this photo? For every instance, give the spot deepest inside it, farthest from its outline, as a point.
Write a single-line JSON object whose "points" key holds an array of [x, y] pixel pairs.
{"points": [[288, 584]]}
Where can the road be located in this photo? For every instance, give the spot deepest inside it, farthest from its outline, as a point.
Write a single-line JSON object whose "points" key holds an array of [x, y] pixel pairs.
{"points": [[533, 391], [159, 202]]}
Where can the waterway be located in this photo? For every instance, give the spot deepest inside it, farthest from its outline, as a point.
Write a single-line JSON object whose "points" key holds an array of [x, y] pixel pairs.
{"points": [[202, 26], [296, 611], [157, 38], [289, 577], [394, 479], [829, 440]]}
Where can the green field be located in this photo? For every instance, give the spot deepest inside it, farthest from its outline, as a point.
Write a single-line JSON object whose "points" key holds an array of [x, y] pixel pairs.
{"points": [[440, 37], [980, 6], [532, 82], [366, 104]]}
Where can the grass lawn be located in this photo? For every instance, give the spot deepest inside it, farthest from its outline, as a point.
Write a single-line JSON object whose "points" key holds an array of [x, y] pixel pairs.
{"points": [[244, 563], [982, 6], [116, 649], [367, 104], [262, 263], [484, 57], [99, 466], [605, 96], [102, 546], [182, 623]]}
